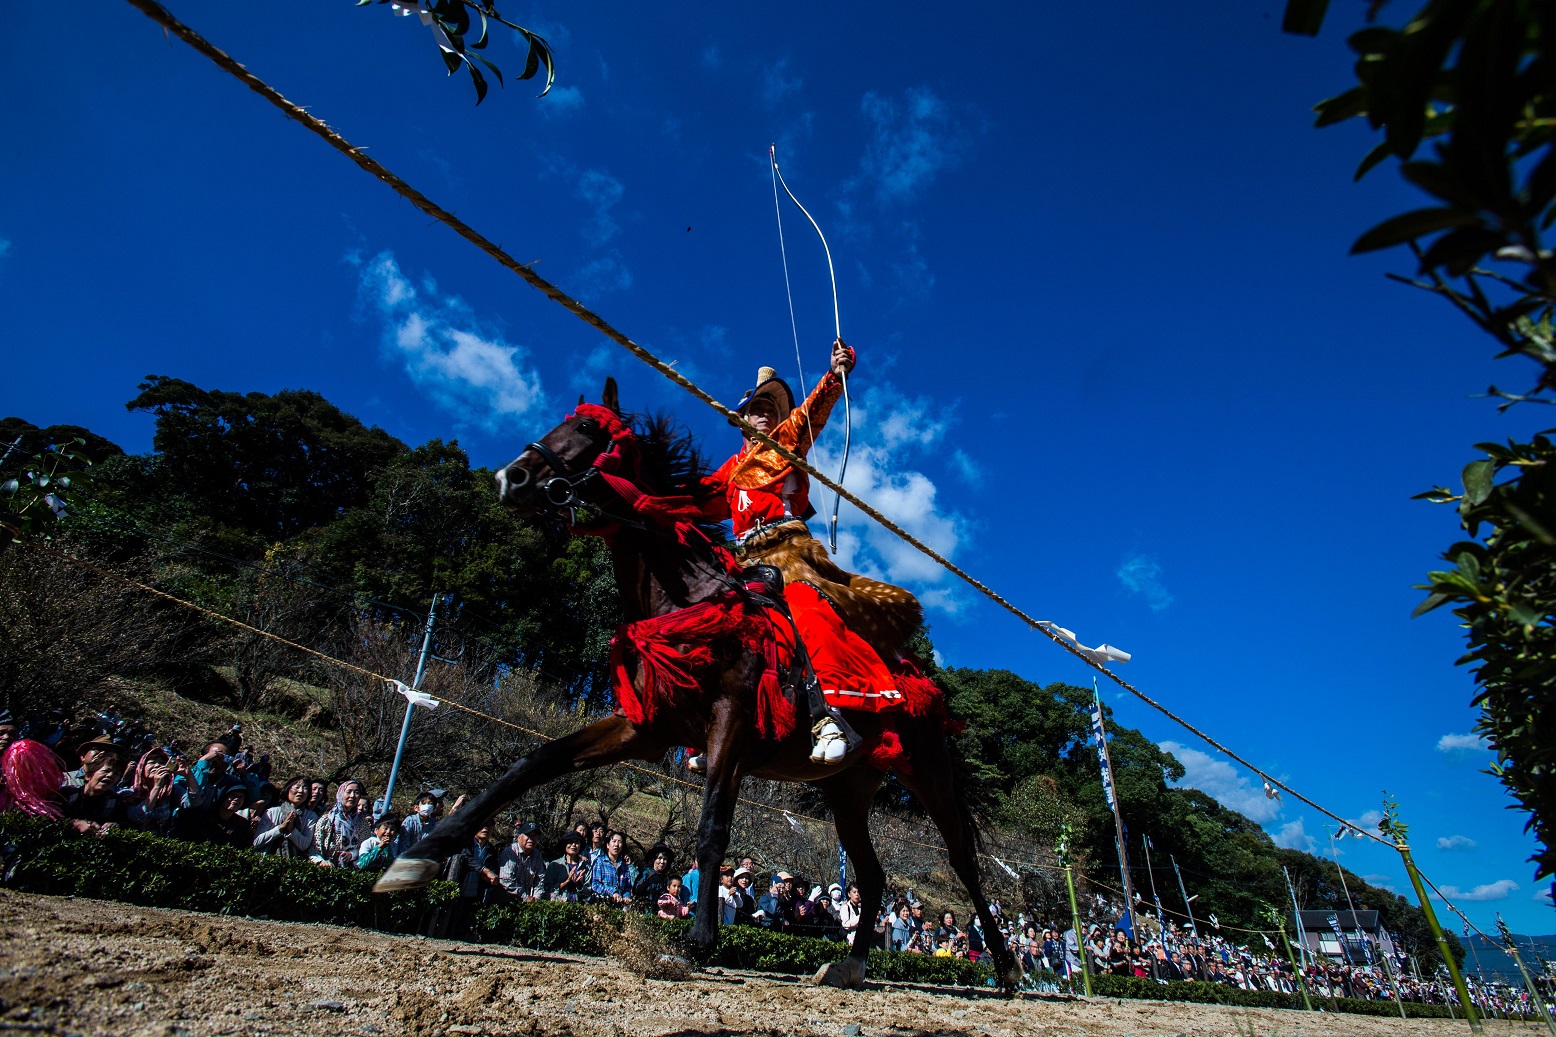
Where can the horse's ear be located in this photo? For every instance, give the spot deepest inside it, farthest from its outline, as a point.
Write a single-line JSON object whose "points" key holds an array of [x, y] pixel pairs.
{"points": [[580, 399], [609, 399]]}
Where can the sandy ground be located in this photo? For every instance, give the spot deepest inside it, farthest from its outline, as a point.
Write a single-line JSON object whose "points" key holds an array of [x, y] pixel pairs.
{"points": [[72, 966]]}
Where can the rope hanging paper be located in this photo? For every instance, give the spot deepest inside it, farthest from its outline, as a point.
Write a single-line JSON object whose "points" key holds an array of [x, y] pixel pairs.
{"points": [[172, 25]]}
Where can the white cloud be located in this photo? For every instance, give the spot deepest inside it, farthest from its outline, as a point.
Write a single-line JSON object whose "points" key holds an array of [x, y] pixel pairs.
{"points": [[466, 368], [562, 100], [887, 427], [1293, 836], [777, 83], [911, 142], [602, 191], [1543, 895], [1219, 779], [1456, 842], [602, 275], [1465, 743], [5, 247], [1369, 820], [1143, 576], [966, 467], [1497, 890]]}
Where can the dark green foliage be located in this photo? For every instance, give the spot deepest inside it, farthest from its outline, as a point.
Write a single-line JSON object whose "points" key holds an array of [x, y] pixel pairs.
{"points": [[48, 857], [1503, 586], [1476, 80], [1224, 994], [270, 465]]}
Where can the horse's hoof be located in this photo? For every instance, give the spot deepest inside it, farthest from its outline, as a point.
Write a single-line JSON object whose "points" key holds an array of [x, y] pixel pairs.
{"points": [[848, 974], [407, 873]]}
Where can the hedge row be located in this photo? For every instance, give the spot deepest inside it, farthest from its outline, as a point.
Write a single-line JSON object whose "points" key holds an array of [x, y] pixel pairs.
{"points": [[1136, 987], [579, 929], [47, 857], [133, 867]]}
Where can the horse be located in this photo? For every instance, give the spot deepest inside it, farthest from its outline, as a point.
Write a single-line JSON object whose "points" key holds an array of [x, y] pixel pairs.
{"points": [[694, 664]]}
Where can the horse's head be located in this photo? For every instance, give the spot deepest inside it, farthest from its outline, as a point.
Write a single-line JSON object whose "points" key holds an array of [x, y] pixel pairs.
{"points": [[555, 470]]}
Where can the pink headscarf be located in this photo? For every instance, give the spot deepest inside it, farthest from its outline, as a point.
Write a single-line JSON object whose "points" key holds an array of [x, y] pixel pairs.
{"points": [[30, 777]]}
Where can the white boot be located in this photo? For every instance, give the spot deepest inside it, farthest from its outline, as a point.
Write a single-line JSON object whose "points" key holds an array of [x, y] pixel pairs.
{"points": [[697, 764], [831, 746]]}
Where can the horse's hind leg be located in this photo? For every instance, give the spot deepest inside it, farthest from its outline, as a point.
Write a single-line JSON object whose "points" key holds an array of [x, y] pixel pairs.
{"points": [[849, 796], [934, 780], [603, 742]]}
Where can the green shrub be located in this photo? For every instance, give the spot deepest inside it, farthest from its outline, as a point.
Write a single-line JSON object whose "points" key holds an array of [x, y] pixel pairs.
{"points": [[1139, 988], [48, 857]]}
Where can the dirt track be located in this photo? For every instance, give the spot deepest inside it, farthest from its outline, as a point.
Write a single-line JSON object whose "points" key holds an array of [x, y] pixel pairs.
{"points": [[90, 967]]}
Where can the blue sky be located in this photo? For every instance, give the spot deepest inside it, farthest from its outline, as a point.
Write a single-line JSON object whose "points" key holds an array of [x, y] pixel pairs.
{"points": [[1114, 357]]}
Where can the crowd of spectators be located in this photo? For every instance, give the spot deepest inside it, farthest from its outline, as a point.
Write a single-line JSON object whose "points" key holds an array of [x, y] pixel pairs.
{"points": [[225, 794]]}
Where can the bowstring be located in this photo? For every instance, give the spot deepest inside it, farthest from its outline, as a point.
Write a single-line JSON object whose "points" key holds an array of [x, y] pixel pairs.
{"points": [[848, 417], [772, 153]]}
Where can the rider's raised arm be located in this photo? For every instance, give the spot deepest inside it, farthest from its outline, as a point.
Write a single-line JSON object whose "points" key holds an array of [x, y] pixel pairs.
{"points": [[799, 430]]}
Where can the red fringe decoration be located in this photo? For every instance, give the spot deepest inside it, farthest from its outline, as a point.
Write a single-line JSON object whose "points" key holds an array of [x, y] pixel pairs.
{"points": [[672, 649], [30, 777], [887, 754]]}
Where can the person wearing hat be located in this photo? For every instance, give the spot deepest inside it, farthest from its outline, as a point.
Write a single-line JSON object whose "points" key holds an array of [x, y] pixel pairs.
{"points": [[775, 910], [850, 625], [218, 821], [567, 877], [520, 867], [94, 808]]}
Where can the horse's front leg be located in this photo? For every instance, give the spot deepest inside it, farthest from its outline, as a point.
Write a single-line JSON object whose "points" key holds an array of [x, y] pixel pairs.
{"points": [[603, 742], [728, 745]]}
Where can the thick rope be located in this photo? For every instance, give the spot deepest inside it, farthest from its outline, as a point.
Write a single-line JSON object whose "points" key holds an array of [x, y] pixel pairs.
{"points": [[163, 17]]}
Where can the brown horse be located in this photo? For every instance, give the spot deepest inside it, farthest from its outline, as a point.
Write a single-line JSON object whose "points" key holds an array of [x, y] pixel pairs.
{"points": [[643, 486]]}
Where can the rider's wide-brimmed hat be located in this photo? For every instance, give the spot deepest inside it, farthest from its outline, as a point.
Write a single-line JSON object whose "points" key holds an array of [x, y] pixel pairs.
{"points": [[768, 384]]}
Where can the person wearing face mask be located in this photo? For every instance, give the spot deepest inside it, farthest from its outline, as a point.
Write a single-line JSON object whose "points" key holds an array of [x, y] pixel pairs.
{"points": [[422, 819]]}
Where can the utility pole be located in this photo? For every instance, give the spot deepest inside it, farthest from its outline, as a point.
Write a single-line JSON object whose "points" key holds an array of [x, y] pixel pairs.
{"points": [[405, 726], [1188, 901], [1099, 732]]}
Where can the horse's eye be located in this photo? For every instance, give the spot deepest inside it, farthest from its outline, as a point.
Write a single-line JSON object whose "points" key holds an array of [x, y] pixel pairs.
{"points": [[588, 426]]}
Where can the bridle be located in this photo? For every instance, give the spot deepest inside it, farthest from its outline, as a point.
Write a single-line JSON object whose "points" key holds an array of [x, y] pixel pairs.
{"points": [[561, 490]]}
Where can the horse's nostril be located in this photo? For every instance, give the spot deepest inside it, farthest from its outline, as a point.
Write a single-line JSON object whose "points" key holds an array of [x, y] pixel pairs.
{"points": [[516, 478]]}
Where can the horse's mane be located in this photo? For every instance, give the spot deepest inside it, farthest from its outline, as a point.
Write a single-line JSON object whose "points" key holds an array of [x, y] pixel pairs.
{"points": [[672, 465]]}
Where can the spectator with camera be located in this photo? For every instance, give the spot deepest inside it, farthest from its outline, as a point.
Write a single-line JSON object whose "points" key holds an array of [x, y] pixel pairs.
{"points": [[655, 879], [152, 794], [219, 821]]}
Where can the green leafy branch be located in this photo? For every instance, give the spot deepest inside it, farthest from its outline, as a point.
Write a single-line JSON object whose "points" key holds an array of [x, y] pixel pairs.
{"points": [[1475, 79], [451, 24], [32, 501], [1391, 825]]}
